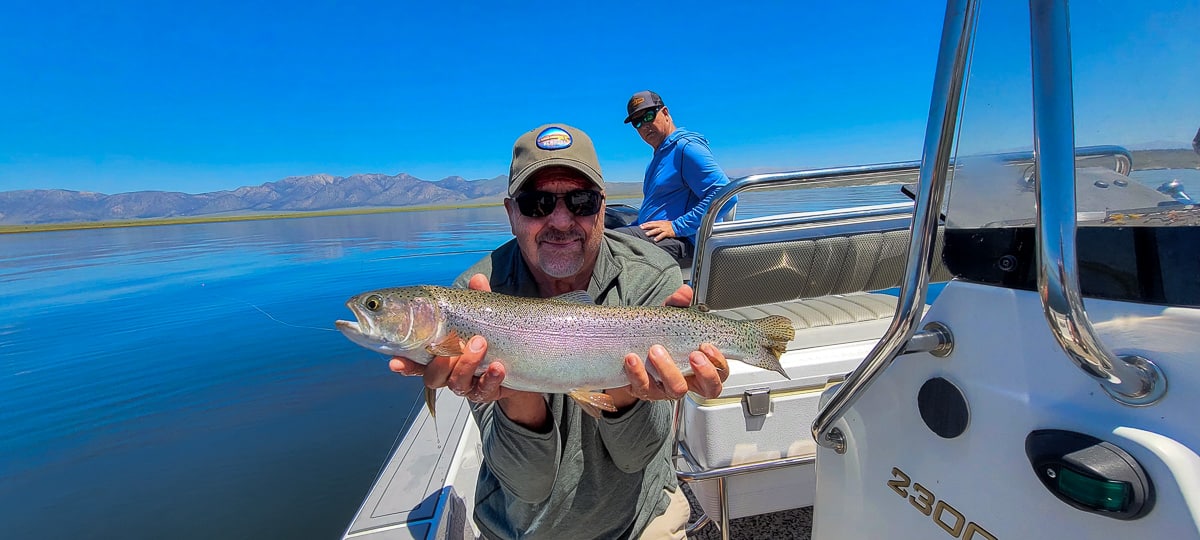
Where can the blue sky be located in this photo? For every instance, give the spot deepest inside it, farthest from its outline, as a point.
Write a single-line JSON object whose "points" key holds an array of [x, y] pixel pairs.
{"points": [[124, 95]]}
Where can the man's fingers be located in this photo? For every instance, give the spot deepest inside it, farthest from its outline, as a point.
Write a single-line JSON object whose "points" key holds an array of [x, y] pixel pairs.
{"points": [[717, 358], [479, 282], [639, 381], [404, 366], [438, 370], [462, 377], [657, 230], [682, 297], [488, 387], [704, 380], [673, 384]]}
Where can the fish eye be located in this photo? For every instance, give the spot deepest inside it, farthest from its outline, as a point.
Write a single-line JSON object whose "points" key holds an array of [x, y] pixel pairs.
{"points": [[373, 302]]}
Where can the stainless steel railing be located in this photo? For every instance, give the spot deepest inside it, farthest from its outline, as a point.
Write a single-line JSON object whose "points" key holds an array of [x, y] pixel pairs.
{"points": [[861, 175], [720, 474], [957, 32], [1130, 379]]}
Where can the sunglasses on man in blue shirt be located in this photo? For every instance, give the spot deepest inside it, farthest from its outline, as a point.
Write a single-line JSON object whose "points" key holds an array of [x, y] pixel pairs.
{"points": [[646, 118]]}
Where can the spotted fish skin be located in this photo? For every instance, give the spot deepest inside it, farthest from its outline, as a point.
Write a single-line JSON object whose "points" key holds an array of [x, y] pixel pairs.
{"points": [[553, 345]]}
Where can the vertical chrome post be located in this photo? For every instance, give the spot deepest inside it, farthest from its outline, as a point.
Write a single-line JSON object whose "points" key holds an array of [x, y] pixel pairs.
{"points": [[957, 32], [1131, 380], [721, 487]]}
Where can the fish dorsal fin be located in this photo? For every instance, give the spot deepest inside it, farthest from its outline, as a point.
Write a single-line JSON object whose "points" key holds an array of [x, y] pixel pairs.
{"points": [[593, 403], [577, 297], [451, 345]]}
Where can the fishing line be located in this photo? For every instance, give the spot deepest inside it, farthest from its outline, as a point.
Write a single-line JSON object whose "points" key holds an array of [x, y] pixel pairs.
{"points": [[272, 317]]}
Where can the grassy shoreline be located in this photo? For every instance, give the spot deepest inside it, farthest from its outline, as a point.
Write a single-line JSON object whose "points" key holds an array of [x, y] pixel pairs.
{"points": [[1143, 159], [184, 220]]}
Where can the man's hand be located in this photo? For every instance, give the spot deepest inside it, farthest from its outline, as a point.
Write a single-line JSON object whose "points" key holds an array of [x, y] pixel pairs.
{"points": [[657, 230], [682, 297], [706, 379], [709, 368]]}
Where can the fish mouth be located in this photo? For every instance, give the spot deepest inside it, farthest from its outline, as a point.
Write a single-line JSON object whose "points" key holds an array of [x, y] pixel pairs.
{"points": [[354, 331], [362, 323], [359, 329], [363, 332]]}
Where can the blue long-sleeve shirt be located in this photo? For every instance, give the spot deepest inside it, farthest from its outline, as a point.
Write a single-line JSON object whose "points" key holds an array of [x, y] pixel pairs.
{"points": [[681, 181]]}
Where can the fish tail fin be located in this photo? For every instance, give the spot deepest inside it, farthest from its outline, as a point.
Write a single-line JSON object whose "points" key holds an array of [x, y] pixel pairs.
{"points": [[593, 403], [777, 331], [431, 401]]}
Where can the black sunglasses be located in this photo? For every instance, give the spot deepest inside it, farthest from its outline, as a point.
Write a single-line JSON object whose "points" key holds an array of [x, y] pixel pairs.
{"points": [[646, 118], [581, 202]]}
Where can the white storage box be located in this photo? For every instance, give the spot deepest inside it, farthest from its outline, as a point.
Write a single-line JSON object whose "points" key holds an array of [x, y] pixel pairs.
{"points": [[732, 429]]}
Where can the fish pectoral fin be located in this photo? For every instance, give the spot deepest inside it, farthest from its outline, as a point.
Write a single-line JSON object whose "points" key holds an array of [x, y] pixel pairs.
{"points": [[431, 401], [451, 345], [593, 403]]}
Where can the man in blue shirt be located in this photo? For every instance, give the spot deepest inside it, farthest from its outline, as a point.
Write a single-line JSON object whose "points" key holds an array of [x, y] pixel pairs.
{"points": [[681, 180]]}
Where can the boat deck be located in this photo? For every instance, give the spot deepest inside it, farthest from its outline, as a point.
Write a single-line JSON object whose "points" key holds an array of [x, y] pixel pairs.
{"points": [[789, 524]]}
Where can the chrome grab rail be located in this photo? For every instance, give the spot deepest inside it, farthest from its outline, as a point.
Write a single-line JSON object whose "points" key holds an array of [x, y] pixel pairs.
{"points": [[816, 218], [957, 32], [1122, 157], [863, 175], [1129, 379], [699, 473], [859, 175]]}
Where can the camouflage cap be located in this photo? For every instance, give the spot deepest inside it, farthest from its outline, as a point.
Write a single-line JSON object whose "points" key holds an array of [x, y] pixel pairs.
{"points": [[550, 145]]}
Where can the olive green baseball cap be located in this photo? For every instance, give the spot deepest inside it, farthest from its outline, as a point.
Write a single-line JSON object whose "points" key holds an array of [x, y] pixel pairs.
{"points": [[553, 145]]}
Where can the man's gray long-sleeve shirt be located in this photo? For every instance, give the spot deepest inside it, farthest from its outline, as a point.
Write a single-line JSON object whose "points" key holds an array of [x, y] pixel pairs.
{"points": [[587, 477]]}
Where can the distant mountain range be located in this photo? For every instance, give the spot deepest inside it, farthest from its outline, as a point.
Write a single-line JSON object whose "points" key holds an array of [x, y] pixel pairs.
{"points": [[324, 192], [294, 194]]}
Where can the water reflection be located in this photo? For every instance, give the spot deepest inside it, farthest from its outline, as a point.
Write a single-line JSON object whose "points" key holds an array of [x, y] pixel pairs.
{"points": [[187, 359], [200, 362]]}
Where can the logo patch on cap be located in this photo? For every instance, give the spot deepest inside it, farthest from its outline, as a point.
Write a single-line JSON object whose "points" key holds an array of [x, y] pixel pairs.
{"points": [[635, 102], [553, 139]]}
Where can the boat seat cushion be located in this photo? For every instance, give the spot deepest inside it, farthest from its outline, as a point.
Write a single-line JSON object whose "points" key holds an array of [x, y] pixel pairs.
{"points": [[827, 320]]}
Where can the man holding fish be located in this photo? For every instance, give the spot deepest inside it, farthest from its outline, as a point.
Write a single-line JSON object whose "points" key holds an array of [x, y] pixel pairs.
{"points": [[588, 464]]}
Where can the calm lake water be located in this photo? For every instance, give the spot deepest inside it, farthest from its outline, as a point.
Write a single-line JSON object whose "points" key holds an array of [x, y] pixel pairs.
{"points": [[186, 382]]}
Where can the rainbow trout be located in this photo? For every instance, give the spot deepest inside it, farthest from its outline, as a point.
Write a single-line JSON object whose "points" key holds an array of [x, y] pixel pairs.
{"points": [[561, 345]]}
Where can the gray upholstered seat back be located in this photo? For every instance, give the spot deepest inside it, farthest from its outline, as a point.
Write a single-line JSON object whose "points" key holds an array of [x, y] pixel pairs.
{"points": [[793, 257]]}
